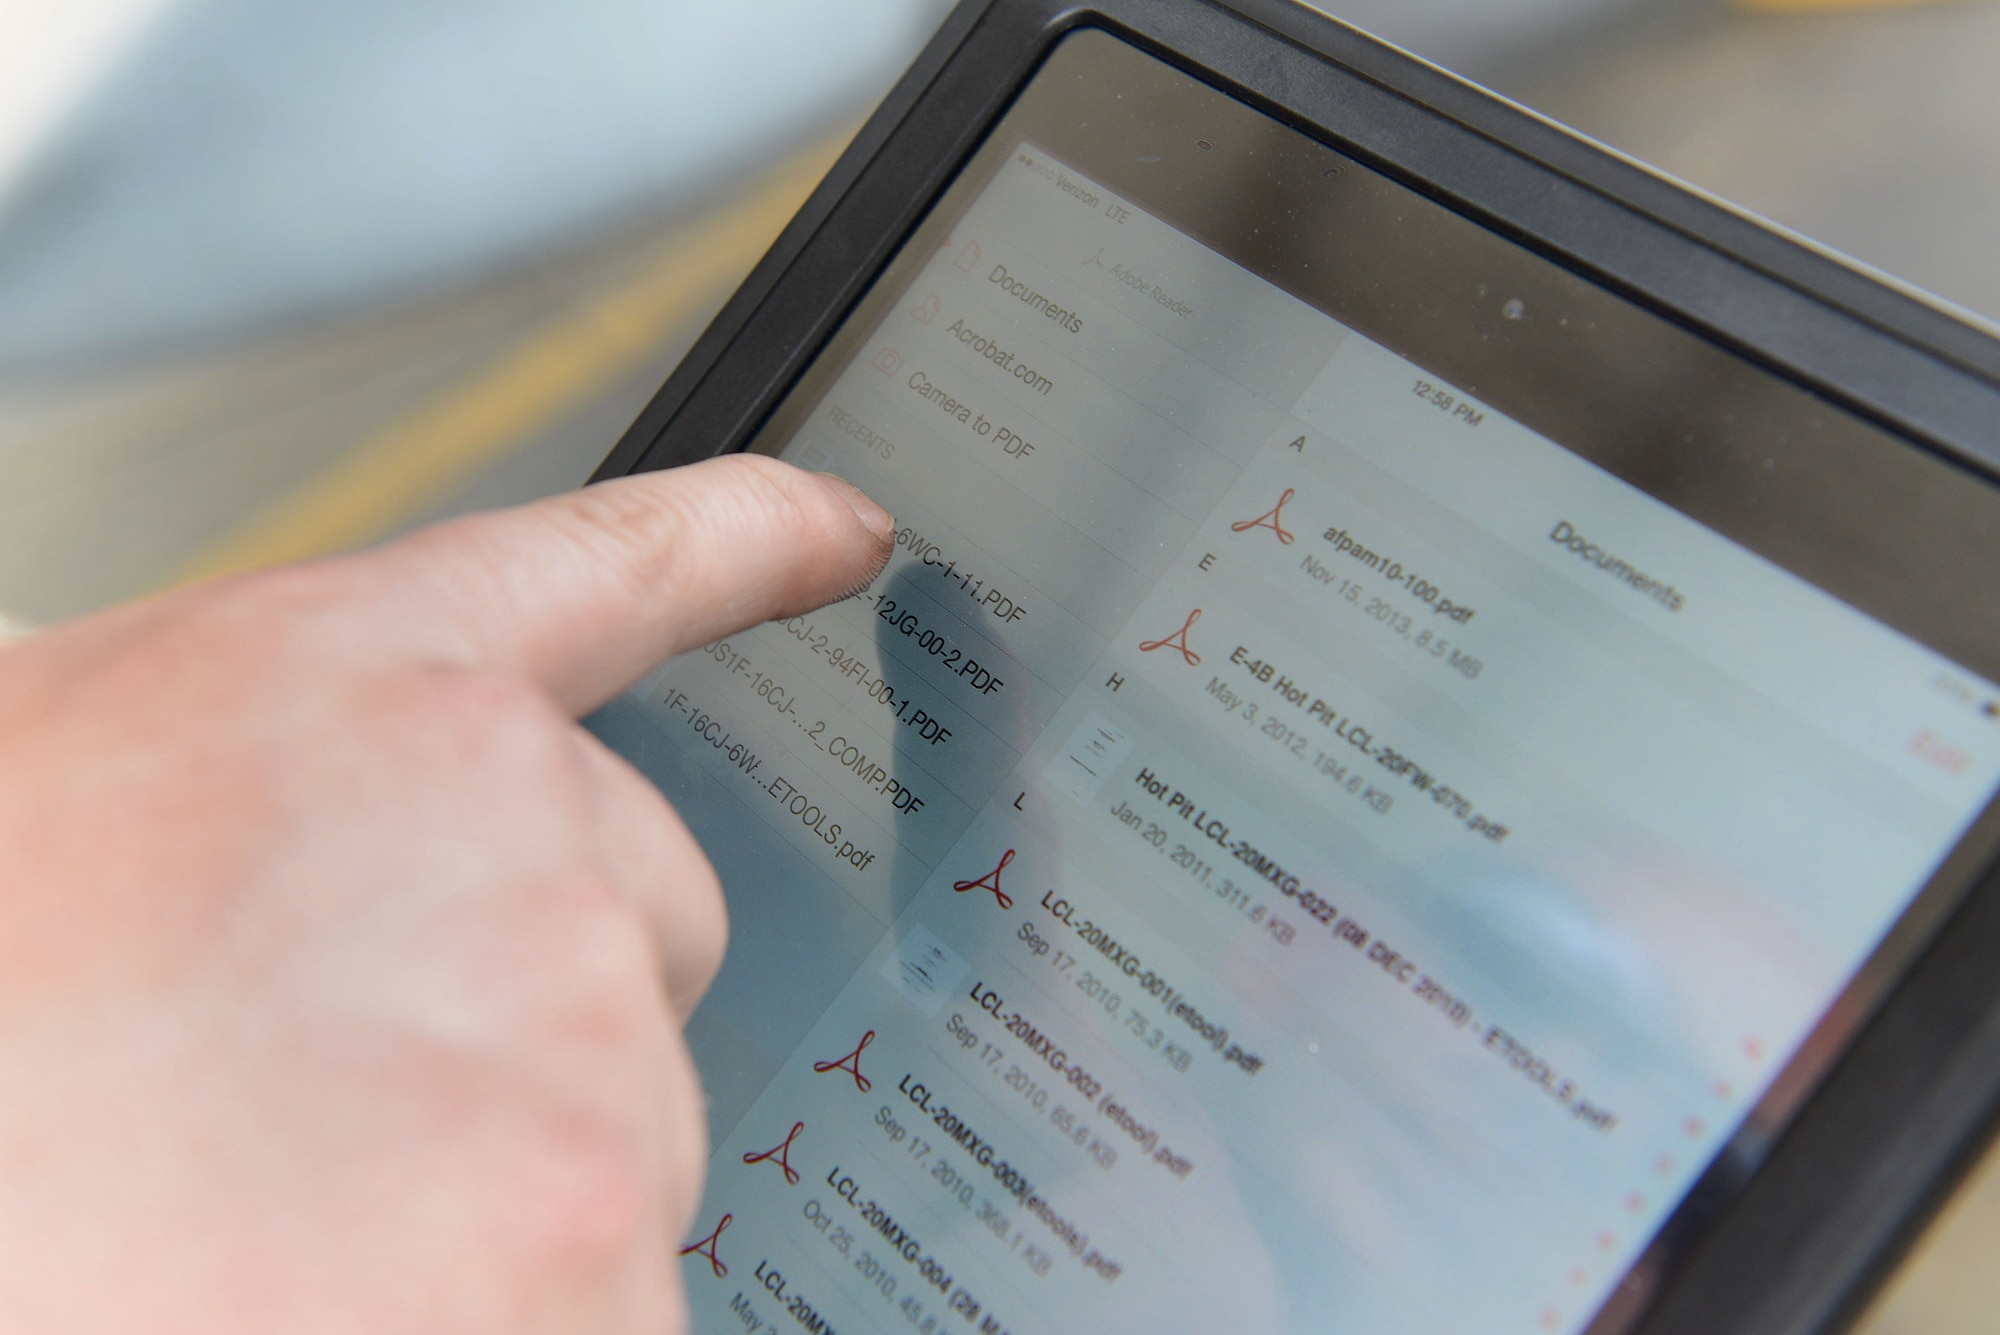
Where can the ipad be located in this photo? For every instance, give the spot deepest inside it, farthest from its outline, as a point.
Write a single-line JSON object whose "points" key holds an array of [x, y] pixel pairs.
{"points": [[1401, 775]]}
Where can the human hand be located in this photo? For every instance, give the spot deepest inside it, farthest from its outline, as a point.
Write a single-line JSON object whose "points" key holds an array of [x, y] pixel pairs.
{"points": [[341, 974]]}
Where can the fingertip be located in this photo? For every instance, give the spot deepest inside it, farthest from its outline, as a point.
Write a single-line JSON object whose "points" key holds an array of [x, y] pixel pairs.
{"points": [[880, 524], [861, 556]]}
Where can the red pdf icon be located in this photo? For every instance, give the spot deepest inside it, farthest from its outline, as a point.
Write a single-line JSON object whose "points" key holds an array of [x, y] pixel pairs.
{"points": [[1272, 519], [781, 1154], [706, 1248], [990, 881], [851, 1064], [1177, 641]]}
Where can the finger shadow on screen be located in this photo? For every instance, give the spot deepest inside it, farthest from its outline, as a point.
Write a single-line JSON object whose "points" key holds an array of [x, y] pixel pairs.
{"points": [[964, 715]]}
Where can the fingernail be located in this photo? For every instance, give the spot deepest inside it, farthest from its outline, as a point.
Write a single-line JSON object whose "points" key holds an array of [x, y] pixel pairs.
{"points": [[872, 516]]}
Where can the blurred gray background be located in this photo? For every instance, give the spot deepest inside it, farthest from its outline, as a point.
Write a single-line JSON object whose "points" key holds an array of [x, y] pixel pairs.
{"points": [[280, 278]]}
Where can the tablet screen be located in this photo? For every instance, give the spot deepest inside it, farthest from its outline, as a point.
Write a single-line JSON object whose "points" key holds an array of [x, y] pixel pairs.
{"points": [[1378, 776]]}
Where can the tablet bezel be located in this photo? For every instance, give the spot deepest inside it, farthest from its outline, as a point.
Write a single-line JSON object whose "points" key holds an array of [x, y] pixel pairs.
{"points": [[1907, 1107]]}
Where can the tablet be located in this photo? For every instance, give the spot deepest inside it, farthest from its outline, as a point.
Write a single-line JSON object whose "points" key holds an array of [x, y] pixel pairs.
{"points": [[1425, 756]]}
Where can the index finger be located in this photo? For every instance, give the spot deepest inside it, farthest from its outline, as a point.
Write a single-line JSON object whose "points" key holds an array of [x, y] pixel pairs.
{"points": [[585, 592]]}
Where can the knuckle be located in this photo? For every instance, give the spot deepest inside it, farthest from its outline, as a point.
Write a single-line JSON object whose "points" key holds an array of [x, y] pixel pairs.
{"points": [[774, 482], [475, 696], [583, 1190], [274, 617], [588, 1169], [250, 652], [641, 525], [703, 922], [689, 906], [489, 721], [602, 937], [469, 758], [636, 534], [599, 994], [779, 494], [685, 1158]]}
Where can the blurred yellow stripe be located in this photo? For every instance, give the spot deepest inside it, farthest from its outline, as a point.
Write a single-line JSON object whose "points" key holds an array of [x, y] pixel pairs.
{"points": [[420, 458], [1816, 6]]}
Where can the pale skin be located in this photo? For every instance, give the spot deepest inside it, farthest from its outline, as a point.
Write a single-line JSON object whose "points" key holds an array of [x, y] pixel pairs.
{"points": [[342, 975]]}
